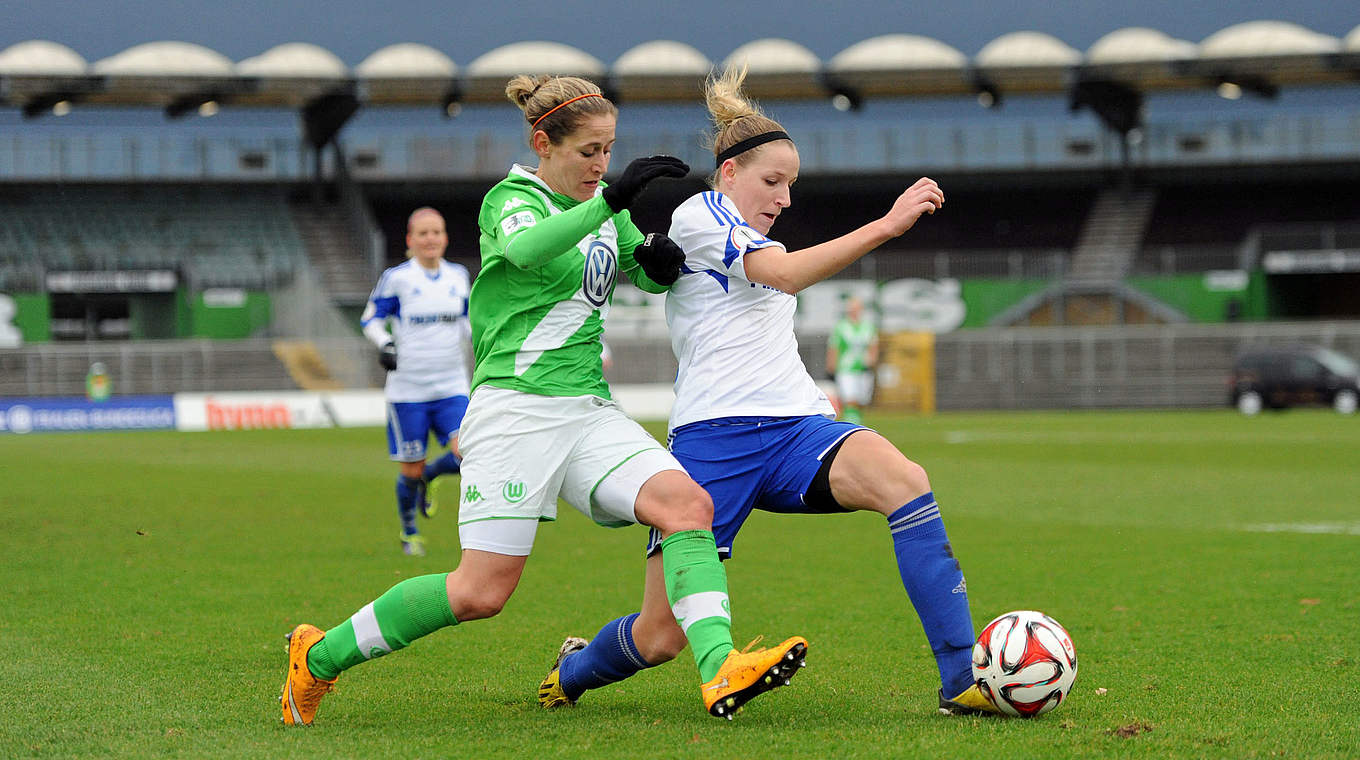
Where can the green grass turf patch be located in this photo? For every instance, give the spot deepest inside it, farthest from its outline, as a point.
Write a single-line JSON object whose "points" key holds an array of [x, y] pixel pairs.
{"points": [[1204, 563]]}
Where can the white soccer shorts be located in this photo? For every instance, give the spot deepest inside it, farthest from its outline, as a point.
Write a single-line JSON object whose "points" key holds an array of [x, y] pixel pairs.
{"points": [[522, 451], [855, 387]]}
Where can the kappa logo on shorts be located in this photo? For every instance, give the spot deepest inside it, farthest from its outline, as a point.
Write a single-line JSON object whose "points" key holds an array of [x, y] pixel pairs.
{"points": [[514, 492], [472, 494]]}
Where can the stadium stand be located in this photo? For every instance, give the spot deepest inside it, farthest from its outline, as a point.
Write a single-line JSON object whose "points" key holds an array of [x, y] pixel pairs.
{"points": [[1171, 238], [1226, 226], [345, 272], [241, 237]]}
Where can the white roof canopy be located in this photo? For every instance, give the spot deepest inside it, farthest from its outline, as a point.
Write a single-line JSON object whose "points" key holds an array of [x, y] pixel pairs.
{"points": [[168, 59], [1271, 54], [41, 57], [294, 60]]}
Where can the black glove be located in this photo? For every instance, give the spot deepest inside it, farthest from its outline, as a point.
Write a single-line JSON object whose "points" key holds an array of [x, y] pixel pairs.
{"points": [[660, 258], [387, 356], [621, 194]]}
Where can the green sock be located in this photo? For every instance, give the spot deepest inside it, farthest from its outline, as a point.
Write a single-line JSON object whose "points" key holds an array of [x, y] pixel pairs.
{"points": [[411, 609], [696, 586]]}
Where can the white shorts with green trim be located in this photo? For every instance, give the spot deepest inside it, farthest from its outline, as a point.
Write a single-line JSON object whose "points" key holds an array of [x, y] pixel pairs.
{"points": [[855, 387], [521, 452]]}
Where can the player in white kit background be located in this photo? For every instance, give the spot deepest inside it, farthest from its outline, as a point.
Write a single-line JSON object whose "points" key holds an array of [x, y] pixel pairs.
{"points": [[417, 317], [749, 423]]}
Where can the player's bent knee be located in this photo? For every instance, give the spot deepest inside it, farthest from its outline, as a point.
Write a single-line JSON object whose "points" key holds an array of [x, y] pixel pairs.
{"points": [[471, 598], [664, 649], [903, 472], [685, 508], [694, 510], [659, 643], [914, 475], [477, 606]]}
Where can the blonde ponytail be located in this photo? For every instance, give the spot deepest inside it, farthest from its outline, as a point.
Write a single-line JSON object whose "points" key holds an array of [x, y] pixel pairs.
{"points": [[735, 117]]}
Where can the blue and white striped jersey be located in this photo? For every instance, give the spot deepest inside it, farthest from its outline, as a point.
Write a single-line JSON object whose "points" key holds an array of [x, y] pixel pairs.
{"points": [[733, 338], [428, 317]]}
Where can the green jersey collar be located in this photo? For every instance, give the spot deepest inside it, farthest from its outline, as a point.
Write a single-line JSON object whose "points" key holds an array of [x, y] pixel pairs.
{"points": [[564, 202]]}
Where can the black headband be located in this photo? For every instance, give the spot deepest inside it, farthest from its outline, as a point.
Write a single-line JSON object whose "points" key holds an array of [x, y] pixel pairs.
{"points": [[751, 142]]}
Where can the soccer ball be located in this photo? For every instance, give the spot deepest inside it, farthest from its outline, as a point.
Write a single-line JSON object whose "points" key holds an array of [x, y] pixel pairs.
{"points": [[1024, 663]]}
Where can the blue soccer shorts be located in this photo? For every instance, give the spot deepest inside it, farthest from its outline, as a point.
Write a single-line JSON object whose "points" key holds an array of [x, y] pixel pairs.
{"points": [[765, 463], [409, 425]]}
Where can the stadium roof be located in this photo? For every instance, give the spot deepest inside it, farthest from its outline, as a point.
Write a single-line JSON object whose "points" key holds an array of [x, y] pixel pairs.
{"points": [[1260, 56]]}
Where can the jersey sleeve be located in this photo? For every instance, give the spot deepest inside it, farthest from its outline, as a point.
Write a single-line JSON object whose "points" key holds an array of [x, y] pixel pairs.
{"points": [[508, 212], [383, 302], [465, 277], [525, 233], [715, 242]]}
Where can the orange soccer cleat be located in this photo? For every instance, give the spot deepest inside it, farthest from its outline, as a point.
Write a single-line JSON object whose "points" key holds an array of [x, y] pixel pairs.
{"points": [[745, 675], [302, 691]]}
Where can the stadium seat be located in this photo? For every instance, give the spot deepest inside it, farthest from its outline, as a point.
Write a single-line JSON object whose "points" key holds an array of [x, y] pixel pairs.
{"points": [[241, 238]]}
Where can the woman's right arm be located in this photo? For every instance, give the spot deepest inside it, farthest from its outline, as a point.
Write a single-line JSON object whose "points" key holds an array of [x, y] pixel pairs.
{"points": [[548, 238], [543, 240], [791, 271], [383, 303]]}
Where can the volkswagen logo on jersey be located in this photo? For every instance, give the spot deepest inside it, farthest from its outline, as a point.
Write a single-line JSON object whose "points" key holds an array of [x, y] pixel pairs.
{"points": [[600, 270]]}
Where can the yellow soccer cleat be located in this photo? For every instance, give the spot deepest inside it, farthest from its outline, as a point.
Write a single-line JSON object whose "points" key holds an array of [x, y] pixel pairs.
{"points": [[745, 675], [429, 499], [413, 544], [970, 702], [302, 692], [550, 692]]}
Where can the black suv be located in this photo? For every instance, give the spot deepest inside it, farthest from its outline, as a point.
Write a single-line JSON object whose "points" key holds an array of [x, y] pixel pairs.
{"points": [[1297, 375]]}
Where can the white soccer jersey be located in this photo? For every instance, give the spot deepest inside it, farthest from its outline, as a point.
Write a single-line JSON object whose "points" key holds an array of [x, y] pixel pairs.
{"points": [[428, 316], [733, 338]]}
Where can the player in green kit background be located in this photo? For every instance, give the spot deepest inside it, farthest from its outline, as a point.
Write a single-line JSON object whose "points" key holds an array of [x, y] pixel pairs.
{"points": [[851, 356], [541, 423]]}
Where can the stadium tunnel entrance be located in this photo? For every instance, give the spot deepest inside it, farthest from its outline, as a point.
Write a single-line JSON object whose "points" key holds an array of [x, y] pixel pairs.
{"points": [[1315, 295]]}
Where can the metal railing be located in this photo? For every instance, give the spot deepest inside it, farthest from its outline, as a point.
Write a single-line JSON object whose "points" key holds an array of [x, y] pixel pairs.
{"points": [[143, 367], [1178, 259], [363, 226], [1134, 366]]}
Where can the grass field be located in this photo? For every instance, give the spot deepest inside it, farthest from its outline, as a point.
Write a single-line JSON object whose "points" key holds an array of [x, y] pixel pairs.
{"points": [[1206, 565]]}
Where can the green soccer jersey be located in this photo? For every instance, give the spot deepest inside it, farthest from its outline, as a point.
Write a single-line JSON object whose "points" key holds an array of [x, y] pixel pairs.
{"points": [[537, 307], [852, 341]]}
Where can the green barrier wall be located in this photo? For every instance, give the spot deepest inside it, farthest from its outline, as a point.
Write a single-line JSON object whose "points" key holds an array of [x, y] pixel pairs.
{"points": [[243, 321], [1197, 295], [185, 315], [985, 298], [32, 316], [1194, 297]]}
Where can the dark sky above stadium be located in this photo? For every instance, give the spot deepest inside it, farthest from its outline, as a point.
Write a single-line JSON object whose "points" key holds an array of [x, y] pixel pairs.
{"points": [[463, 30]]}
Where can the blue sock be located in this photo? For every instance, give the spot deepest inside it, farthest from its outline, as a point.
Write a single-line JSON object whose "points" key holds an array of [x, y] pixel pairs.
{"points": [[937, 589], [409, 493], [612, 656], [445, 465]]}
